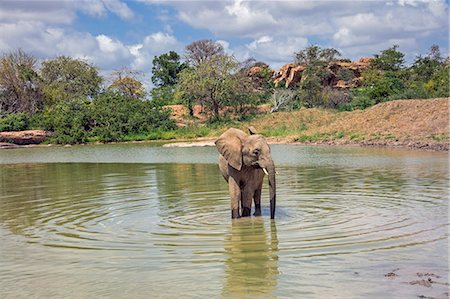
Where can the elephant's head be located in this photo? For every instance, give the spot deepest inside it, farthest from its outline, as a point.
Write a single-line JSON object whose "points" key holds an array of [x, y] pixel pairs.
{"points": [[240, 149]]}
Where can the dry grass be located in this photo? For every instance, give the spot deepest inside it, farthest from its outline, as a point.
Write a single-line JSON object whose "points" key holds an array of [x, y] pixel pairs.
{"points": [[415, 123], [409, 123]]}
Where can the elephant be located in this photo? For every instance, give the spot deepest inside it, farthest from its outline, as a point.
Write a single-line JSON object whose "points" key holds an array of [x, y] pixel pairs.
{"points": [[243, 161]]}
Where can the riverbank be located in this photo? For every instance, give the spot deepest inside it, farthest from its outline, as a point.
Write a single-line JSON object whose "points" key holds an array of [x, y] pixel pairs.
{"points": [[415, 124]]}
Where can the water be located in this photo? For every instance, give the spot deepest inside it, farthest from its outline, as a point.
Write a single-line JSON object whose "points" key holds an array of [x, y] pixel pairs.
{"points": [[142, 221]]}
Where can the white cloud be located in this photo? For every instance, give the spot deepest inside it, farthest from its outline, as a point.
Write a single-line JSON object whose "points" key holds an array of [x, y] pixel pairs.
{"points": [[347, 25], [153, 45], [119, 8], [237, 18], [99, 8]]}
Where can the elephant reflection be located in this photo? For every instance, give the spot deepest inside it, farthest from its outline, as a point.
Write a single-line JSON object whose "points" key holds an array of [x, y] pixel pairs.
{"points": [[252, 260]]}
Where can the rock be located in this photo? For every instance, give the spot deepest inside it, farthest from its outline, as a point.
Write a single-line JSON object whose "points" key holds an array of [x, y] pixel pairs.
{"points": [[24, 137], [258, 75], [290, 73], [426, 283], [7, 145], [254, 71]]}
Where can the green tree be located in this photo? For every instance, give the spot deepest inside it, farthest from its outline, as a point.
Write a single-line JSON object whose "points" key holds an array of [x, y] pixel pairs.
{"points": [[116, 115], [20, 85], [128, 86], [215, 83], [70, 121], [66, 78], [316, 74], [166, 68], [389, 59], [315, 55]]}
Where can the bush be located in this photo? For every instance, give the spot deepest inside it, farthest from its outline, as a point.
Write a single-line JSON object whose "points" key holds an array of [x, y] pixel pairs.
{"points": [[116, 116], [334, 98], [70, 121], [15, 122]]}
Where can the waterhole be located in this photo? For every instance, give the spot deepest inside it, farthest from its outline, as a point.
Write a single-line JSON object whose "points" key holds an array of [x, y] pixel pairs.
{"points": [[140, 221]]}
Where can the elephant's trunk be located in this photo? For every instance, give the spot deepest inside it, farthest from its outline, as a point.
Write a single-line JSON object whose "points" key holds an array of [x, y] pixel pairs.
{"points": [[272, 188]]}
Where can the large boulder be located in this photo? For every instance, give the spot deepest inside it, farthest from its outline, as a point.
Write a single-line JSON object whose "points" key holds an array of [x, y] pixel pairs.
{"points": [[24, 137], [291, 74]]}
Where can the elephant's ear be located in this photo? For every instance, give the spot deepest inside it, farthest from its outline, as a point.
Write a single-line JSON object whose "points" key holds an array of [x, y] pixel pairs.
{"points": [[229, 146], [252, 130]]}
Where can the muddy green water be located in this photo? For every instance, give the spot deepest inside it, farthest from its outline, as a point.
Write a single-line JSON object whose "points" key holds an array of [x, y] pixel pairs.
{"points": [[143, 221]]}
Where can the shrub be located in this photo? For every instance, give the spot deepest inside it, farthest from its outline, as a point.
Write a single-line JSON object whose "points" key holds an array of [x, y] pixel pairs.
{"points": [[116, 116], [15, 122], [69, 120]]}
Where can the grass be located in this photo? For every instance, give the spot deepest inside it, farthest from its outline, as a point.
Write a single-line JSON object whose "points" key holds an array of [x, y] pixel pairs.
{"points": [[440, 137], [380, 136], [314, 137], [282, 130]]}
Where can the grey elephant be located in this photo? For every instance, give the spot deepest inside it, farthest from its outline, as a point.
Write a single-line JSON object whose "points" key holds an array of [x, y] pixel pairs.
{"points": [[243, 161]]}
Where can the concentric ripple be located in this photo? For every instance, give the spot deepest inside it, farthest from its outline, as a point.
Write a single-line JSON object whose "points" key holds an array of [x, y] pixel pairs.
{"points": [[118, 230]]}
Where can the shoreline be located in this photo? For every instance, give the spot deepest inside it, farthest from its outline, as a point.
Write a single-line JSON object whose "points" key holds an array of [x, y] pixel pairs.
{"points": [[411, 145], [420, 145]]}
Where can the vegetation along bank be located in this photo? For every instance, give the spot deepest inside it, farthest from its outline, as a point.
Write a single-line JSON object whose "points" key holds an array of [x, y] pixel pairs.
{"points": [[319, 97]]}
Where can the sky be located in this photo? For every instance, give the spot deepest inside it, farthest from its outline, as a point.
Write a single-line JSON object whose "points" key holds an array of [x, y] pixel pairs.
{"points": [[116, 34]]}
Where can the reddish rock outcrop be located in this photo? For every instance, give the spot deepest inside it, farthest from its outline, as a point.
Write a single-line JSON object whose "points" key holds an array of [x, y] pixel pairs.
{"points": [[24, 137], [291, 74]]}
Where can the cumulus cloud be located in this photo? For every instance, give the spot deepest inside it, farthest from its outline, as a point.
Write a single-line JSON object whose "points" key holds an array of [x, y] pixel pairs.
{"points": [[153, 45], [270, 31], [228, 18], [346, 25]]}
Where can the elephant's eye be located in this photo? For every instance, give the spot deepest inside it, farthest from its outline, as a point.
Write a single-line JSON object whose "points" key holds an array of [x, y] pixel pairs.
{"points": [[256, 152]]}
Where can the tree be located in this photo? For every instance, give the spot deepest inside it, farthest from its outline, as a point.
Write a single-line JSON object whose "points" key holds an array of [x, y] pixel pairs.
{"points": [[314, 55], [424, 67], [166, 68], [124, 82], [202, 50], [20, 85], [116, 116], [316, 74], [215, 83], [389, 59], [66, 78]]}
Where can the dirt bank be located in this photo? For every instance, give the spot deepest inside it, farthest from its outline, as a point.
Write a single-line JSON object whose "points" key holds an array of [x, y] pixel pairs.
{"points": [[419, 124]]}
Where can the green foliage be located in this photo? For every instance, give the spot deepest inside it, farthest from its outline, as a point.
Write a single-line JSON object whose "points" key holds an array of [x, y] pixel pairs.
{"points": [[316, 75], [387, 80], [314, 55], [283, 130], [439, 84], [380, 85], [111, 116], [389, 59], [345, 74], [164, 95], [314, 137], [166, 68], [66, 78], [116, 116], [128, 86], [15, 122], [70, 122], [216, 83]]}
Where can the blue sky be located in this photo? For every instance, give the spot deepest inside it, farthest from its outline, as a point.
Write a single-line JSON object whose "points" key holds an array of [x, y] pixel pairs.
{"points": [[113, 34]]}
